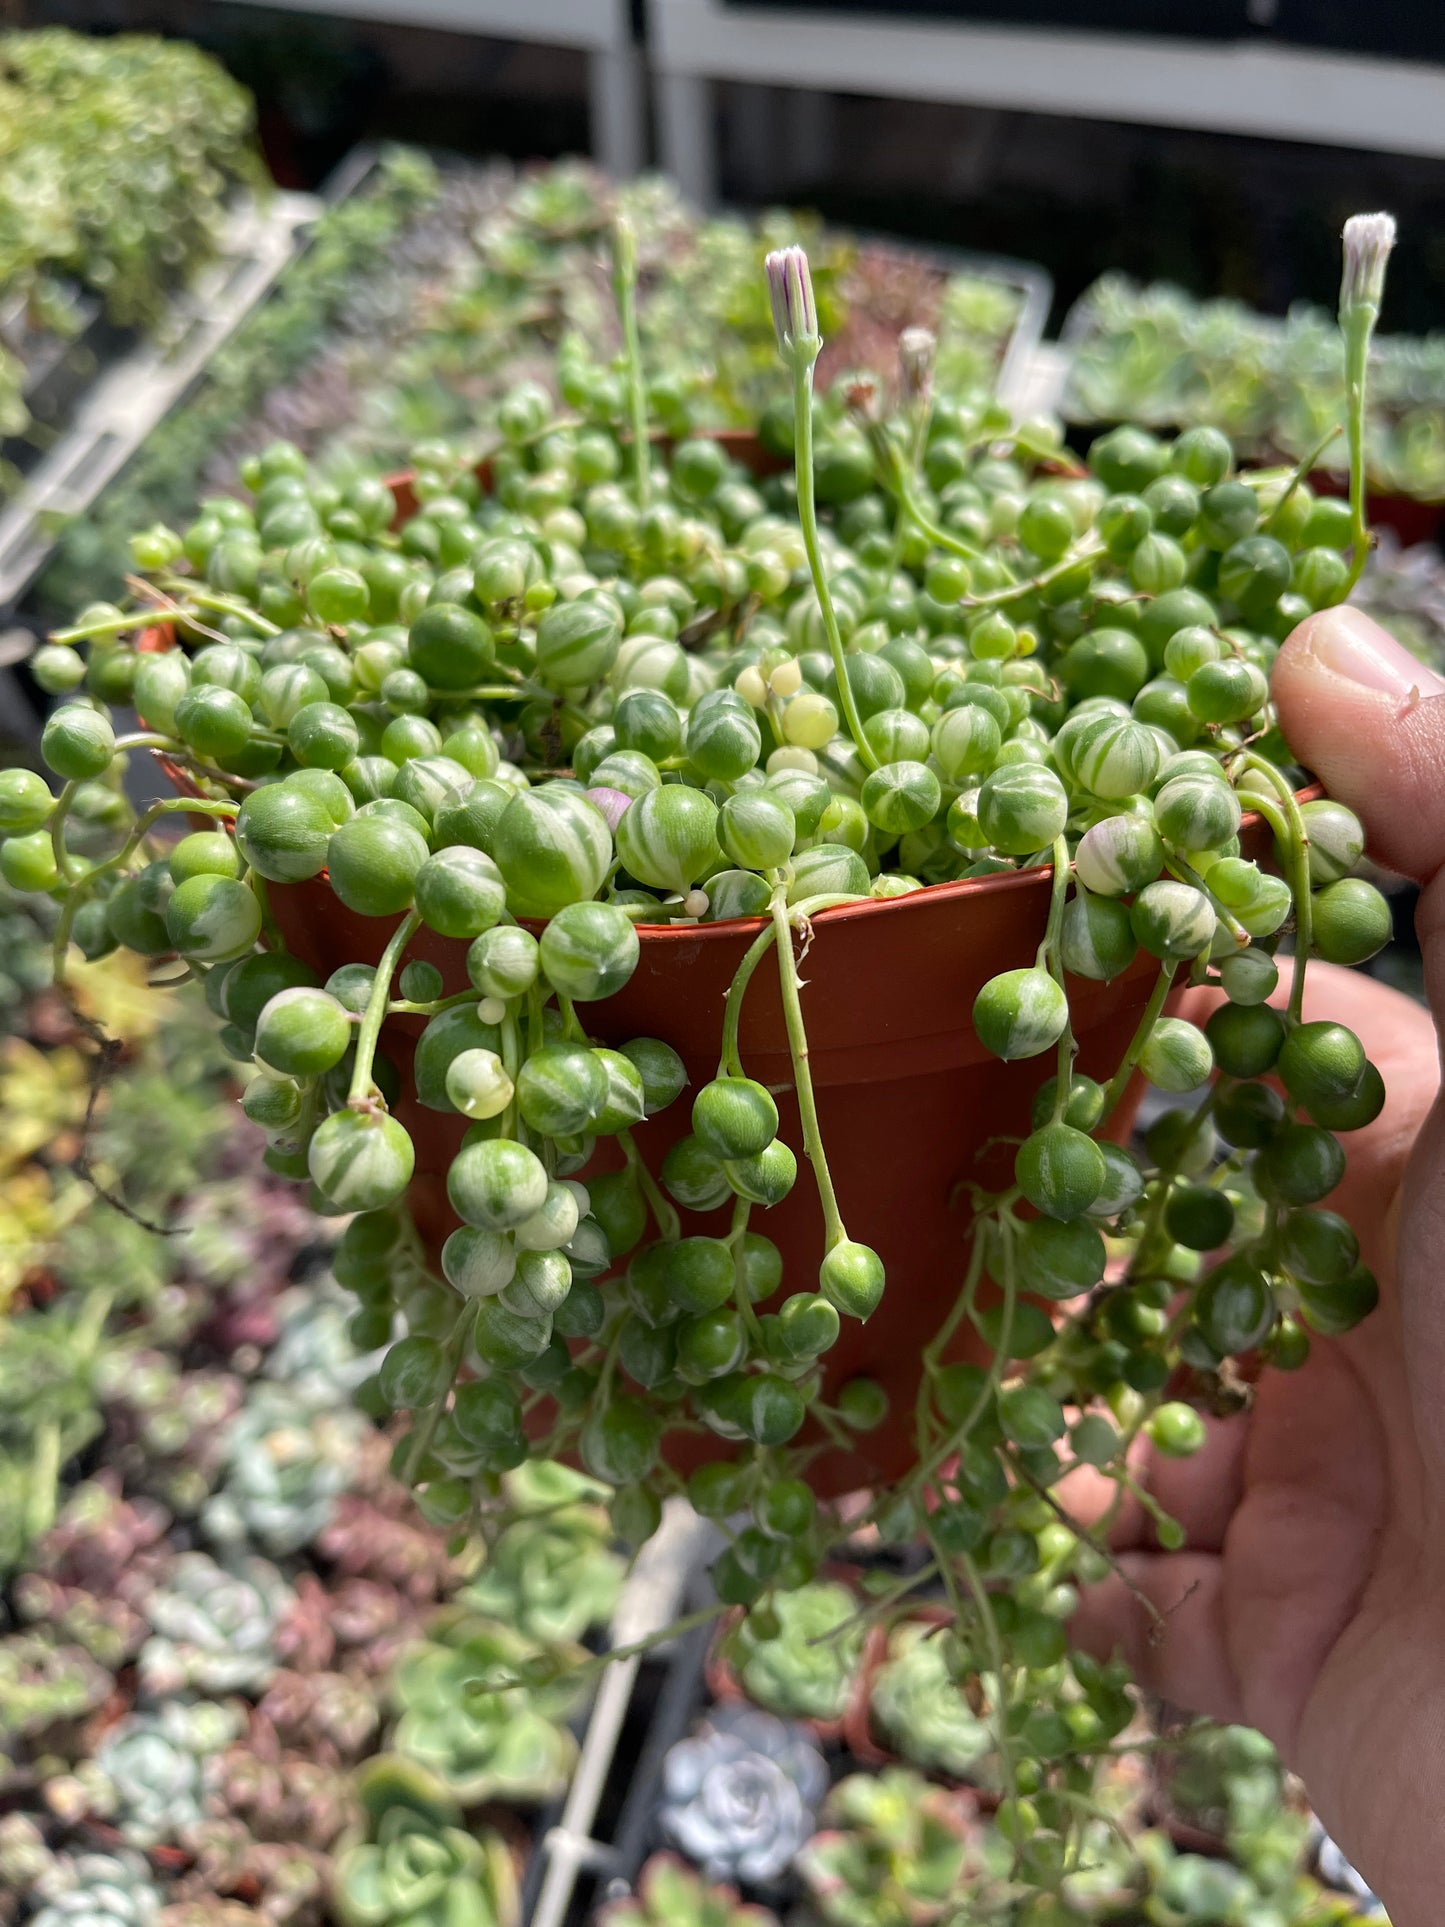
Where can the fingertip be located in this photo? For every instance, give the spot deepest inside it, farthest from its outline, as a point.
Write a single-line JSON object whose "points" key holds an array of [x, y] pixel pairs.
{"points": [[1367, 718]]}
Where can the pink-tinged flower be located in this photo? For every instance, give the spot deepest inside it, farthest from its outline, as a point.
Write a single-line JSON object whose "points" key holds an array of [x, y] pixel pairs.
{"points": [[790, 288], [1369, 239], [916, 349]]}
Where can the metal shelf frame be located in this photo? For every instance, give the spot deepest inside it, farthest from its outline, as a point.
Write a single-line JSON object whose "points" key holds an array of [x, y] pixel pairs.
{"points": [[1254, 87]]}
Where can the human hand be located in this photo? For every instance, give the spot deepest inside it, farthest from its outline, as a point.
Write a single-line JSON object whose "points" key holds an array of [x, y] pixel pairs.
{"points": [[1310, 1598]]}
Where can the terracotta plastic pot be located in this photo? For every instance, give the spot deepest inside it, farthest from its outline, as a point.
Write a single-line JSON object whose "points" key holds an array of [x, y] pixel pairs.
{"points": [[910, 1104]]}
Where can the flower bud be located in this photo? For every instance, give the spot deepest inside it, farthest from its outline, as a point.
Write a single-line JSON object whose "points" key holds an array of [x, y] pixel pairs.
{"points": [[790, 289], [916, 349], [1369, 239]]}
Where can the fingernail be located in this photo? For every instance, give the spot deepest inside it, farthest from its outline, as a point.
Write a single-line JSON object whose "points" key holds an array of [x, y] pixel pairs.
{"points": [[1347, 643]]}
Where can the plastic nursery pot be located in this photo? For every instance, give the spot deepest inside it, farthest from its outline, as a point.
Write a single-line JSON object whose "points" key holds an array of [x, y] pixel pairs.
{"points": [[911, 1106]]}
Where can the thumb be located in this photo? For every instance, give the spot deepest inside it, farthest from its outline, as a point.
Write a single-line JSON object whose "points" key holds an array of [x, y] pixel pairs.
{"points": [[1368, 719], [1366, 716]]}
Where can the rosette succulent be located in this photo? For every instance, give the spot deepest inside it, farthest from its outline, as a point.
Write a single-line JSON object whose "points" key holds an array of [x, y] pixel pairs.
{"points": [[1184, 1888], [285, 1468], [551, 1577], [504, 1743], [153, 1767], [213, 1627], [24, 1857], [669, 1894], [97, 1890], [808, 1668], [921, 1707], [87, 1575], [893, 1853], [740, 1796], [313, 1354], [45, 1687], [418, 1873], [168, 1428]]}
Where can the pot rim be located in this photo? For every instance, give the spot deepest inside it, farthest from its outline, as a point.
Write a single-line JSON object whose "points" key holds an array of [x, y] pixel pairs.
{"points": [[730, 928]]}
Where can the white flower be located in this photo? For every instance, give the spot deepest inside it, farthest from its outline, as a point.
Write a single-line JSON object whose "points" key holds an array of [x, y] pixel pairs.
{"points": [[1368, 241]]}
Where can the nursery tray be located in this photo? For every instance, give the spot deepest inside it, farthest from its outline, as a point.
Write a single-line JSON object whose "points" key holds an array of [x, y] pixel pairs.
{"points": [[59, 366], [120, 409], [594, 1840]]}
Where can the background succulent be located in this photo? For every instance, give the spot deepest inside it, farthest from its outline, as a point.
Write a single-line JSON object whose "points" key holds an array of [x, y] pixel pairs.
{"points": [[374, 1535], [46, 1689], [892, 1854], [97, 1890], [807, 1670], [87, 1574], [670, 1894], [417, 1870], [313, 1353], [214, 1626], [153, 1767], [552, 1577], [740, 1796], [284, 1469], [24, 1857], [481, 1745], [167, 1429], [923, 1710], [278, 1794], [334, 1716]]}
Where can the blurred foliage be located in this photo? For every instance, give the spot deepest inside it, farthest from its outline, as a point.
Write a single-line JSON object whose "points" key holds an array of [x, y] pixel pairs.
{"points": [[349, 246], [117, 156], [1156, 355], [487, 270]]}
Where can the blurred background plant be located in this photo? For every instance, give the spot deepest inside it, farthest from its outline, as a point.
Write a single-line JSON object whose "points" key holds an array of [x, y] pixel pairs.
{"points": [[117, 158]]}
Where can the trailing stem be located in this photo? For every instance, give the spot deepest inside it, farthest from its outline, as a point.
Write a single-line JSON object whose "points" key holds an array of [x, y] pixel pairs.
{"points": [[377, 1000], [833, 1229], [1051, 958], [1288, 825], [624, 283], [802, 355], [669, 1225], [1119, 1082]]}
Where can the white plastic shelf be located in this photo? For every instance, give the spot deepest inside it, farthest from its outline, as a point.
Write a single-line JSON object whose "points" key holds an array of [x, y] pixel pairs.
{"points": [[1235, 87], [131, 397]]}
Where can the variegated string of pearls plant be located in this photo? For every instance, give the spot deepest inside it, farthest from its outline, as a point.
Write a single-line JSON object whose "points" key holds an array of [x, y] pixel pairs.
{"points": [[621, 685]]}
